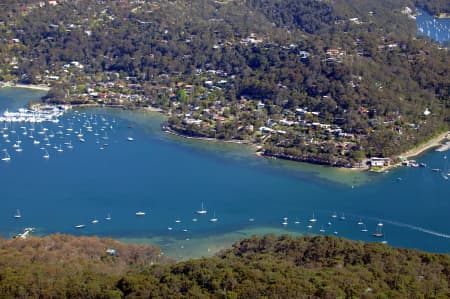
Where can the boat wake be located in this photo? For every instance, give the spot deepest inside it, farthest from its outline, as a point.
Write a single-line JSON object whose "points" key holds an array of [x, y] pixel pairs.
{"points": [[416, 228]]}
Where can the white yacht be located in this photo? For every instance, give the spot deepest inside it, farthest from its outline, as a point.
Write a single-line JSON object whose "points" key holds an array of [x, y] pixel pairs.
{"points": [[89, 127], [17, 214], [214, 218], [95, 221], [7, 157], [313, 219], [130, 138], [202, 211], [60, 149], [80, 226], [140, 213], [378, 233], [46, 155], [108, 217]]}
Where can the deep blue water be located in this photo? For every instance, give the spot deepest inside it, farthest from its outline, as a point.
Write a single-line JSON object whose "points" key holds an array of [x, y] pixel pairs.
{"points": [[436, 29], [169, 177]]}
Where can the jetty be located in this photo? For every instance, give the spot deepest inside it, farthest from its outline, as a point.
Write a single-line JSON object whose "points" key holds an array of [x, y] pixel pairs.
{"points": [[26, 233], [444, 147]]}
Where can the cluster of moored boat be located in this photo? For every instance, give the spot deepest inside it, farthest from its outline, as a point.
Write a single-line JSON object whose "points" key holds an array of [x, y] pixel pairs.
{"points": [[202, 212], [140, 213], [378, 233], [39, 114], [445, 172], [434, 29], [55, 135]]}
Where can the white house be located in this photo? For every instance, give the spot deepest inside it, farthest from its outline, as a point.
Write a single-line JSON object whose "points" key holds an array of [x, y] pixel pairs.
{"points": [[379, 162]]}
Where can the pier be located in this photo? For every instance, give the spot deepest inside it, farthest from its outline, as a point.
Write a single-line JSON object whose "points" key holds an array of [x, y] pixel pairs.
{"points": [[26, 233]]}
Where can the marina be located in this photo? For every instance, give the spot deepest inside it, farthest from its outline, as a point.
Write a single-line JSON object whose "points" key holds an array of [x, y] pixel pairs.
{"points": [[192, 198], [39, 114]]}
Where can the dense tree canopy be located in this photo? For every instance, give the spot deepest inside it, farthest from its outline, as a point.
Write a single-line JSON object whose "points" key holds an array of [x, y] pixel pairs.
{"points": [[272, 267]]}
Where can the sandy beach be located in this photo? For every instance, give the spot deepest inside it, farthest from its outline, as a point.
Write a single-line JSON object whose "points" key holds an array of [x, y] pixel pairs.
{"points": [[31, 86], [153, 109], [435, 142], [418, 150]]}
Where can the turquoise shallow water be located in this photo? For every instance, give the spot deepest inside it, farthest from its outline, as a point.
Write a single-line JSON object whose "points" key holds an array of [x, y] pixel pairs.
{"points": [[169, 177]]}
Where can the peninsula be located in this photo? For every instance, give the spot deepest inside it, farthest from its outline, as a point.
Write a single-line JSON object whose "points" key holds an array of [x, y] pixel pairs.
{"points": [[333, 83]]}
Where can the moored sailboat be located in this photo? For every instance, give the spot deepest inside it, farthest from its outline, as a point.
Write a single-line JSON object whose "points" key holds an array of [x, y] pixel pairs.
{"points": [[214, 218], [17, 215], [7, 157], [202, 211], [378, 233]]}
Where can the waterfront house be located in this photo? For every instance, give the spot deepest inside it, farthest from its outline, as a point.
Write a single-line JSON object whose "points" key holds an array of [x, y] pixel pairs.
{"points": [[379, 162]]}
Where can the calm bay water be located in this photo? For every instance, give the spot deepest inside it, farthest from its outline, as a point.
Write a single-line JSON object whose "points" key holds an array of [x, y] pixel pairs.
{"points": [[169, 177], [437, 29]]}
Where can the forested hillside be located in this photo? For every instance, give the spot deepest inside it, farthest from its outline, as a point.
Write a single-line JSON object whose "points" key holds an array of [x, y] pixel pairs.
{"points": [[330, 82], [264, 267]]}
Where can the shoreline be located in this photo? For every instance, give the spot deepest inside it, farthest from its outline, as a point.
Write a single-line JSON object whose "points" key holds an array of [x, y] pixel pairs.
{"points": [[416, 151], [258, 153], [116, 106], [413, 152], [168, 130], [29, 86], [419, 150]]}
